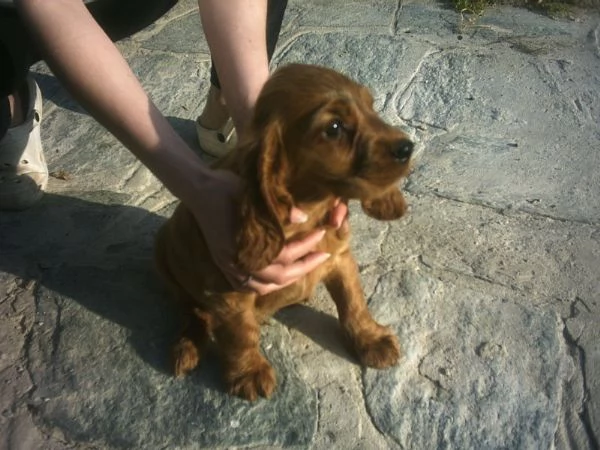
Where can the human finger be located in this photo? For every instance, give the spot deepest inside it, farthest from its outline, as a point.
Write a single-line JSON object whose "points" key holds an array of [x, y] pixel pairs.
{"points": [[297, 249], [277, 276], [297, 215], [339, 213]]}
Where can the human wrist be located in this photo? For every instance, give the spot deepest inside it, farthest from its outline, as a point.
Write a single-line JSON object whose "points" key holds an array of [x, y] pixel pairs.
{"points": [[180, 170]]}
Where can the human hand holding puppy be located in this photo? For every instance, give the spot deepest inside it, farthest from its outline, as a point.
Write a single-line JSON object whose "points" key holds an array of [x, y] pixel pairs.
{"points": [[294, 261]]}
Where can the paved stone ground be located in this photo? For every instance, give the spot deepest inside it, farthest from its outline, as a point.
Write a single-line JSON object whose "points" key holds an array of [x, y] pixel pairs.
{"points": [[492, 282]]}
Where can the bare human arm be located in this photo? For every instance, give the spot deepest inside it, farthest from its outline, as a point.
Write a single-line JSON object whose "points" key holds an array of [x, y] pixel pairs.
{"points": [[91, 67]]}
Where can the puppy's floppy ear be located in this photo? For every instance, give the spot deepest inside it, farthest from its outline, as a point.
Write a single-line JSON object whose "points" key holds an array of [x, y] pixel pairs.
{"points": [[389, 206], [266, 202]]}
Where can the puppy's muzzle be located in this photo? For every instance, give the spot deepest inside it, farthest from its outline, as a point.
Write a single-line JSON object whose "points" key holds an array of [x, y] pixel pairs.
{"points": [[402, 150]]}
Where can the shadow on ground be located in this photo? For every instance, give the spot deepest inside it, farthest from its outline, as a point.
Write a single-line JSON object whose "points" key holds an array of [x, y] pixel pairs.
{"points": [[98, 350], [98, 252]]}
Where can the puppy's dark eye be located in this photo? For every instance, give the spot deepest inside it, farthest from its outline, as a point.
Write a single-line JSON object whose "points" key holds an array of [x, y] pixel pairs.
{"points": [[334, 130]]}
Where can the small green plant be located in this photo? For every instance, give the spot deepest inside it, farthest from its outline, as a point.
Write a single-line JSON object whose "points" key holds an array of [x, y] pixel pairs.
{"points": [[471, 6], [549, 7], [553, 9]]}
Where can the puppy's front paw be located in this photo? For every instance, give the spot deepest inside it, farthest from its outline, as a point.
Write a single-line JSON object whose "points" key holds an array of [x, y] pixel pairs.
{"points": [[258, 380], [379, 350]]}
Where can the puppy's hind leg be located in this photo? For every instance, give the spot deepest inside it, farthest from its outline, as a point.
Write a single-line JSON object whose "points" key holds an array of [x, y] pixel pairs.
{"points": [[191, 345]]}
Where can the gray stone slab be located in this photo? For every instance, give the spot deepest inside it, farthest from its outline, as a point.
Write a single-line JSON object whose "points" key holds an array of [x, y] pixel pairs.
{"points": [[481, 145], [491, 280], [546, 258], [350, 14], [548, 263], [330, 367], [168, 38], [158, 75], [386, 62], [428, 20], [479, 370], [180, 9], [581, 330]]}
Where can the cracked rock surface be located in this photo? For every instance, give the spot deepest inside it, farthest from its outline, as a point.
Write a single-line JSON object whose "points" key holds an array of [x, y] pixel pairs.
{"points": [[491, 282]]}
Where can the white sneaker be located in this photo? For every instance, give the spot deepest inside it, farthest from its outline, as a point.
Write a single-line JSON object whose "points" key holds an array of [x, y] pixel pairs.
{"points": [[217, 142], [23, 170]]}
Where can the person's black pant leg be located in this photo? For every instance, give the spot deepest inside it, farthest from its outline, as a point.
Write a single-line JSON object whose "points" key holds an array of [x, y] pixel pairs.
{"points": [[118, 18]]}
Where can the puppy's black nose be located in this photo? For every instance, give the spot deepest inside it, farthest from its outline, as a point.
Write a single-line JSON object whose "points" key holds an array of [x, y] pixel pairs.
{"points": [[403, 149]]}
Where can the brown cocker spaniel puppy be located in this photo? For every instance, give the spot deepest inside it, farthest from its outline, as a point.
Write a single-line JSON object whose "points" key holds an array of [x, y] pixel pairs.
{"points": [[314, 137]]}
